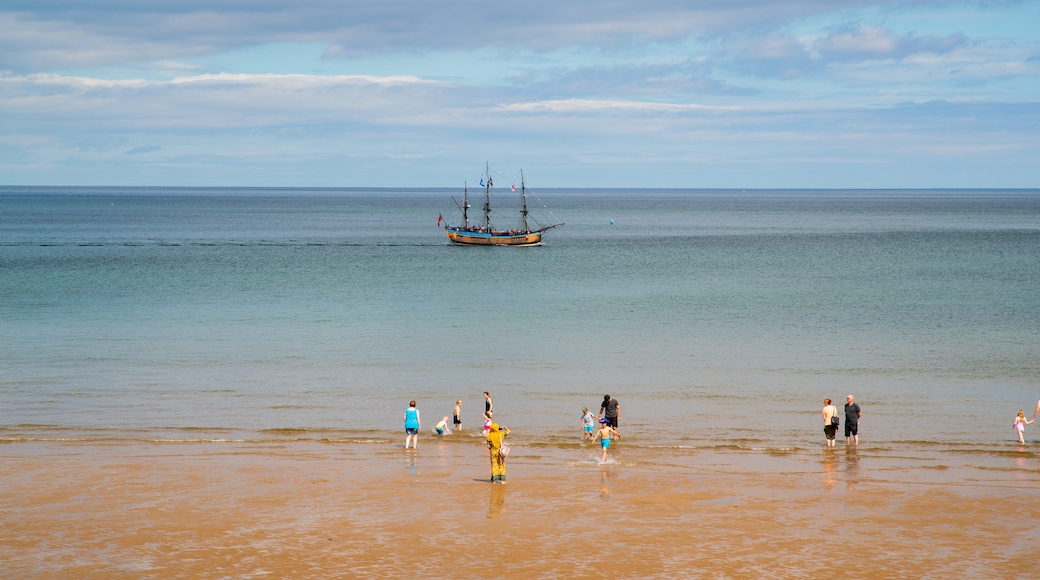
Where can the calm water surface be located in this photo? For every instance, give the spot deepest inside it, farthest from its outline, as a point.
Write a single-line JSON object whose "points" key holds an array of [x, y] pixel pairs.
{"points": [[714, 317]]}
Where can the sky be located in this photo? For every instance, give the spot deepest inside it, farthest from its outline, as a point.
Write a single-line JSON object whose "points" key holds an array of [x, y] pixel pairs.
{"points": [[577, 93]]}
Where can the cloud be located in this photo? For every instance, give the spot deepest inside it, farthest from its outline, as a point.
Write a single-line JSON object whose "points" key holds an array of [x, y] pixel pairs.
{"points": [[789, 56], [590, 106], [878, 43], [143, 149], [395, 131], [226, 102], [56, 35], [676, 81]]}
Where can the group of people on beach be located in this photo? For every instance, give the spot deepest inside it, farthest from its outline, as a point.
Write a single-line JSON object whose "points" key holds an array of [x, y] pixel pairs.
{"points": [[610, 413], [495, 434], [831, 421]]}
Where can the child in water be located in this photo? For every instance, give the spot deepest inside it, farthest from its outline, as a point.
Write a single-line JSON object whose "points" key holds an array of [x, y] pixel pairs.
{"points": [[487, 422], [604, 433], [442, 427], [588, 421], [1020, 425]]}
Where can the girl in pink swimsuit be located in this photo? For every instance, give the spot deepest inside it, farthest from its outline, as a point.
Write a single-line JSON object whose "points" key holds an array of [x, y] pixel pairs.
{"points": [[1020, 425]]}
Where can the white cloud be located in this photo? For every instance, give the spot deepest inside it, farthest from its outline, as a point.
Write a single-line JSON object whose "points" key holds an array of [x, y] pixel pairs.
{"points": [[581, 106], [790, 56], [873, 42], [211, 101]]}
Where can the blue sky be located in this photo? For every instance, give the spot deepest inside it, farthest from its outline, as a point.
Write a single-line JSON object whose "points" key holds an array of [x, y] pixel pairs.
{"points": [[656, 93]]}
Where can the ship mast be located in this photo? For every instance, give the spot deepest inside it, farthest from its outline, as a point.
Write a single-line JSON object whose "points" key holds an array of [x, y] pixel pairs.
{"points": [[487, 198], [465, 204], [523, 205]]}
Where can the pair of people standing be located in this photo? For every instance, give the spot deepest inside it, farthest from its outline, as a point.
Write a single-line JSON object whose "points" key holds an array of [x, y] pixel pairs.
{"points": [[496, 442], [831, 421]]}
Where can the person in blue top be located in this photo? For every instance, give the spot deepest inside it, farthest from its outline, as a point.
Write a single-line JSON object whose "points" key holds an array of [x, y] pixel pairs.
{"points": [[412, 424]]}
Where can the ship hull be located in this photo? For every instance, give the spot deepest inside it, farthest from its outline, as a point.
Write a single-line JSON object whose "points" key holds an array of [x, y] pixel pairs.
{"points": [[488, 239]]}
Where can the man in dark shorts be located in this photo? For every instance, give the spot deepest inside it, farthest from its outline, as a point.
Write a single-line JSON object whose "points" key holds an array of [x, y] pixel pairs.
{"points": [[611, 411], [852, 415]]}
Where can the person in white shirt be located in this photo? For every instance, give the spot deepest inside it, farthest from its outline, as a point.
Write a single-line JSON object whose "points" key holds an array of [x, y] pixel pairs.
{"points": [[829, 427]]}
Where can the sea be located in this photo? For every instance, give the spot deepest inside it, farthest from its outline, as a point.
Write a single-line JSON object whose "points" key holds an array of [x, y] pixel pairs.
{"points": [[717, 318]]}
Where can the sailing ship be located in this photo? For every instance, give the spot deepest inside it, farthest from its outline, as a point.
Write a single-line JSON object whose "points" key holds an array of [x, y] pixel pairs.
{"points": [[485, 233]]}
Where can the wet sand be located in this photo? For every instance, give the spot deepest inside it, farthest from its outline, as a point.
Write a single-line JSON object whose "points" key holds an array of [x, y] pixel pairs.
{"points": [[318, 510]]}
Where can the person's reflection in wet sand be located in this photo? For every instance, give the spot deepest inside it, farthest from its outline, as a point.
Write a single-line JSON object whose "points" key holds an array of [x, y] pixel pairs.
{"points": [[412, 465], [604, 484], [497, 503], [851, 465], [830, 468]]}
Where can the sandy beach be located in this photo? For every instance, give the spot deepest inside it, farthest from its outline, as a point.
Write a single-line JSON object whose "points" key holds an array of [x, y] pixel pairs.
{"points": [[317, 510]]}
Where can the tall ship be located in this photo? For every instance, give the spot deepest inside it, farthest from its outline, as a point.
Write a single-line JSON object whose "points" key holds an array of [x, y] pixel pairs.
{"points": [[484, 232]]}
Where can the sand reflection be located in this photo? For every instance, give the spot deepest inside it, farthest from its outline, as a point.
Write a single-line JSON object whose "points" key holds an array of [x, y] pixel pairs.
{"points": [[412, 464], [851, 465], [497, 502], [830, 468]]}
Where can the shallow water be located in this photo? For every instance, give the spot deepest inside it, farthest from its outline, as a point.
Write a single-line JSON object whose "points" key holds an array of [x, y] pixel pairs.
{"points": [[313, 510]]}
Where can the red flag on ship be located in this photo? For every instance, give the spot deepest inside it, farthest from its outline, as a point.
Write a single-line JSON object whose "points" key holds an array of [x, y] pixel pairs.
{"points": [[439, 219], [513, 187]]}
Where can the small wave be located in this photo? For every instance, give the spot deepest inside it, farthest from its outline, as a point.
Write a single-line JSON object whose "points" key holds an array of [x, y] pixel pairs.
{"points": [[994, 452], [726, 447], [775, 450], [54, 439], [671, 447], [37, 426], [202, 440], [1012, 469]]}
